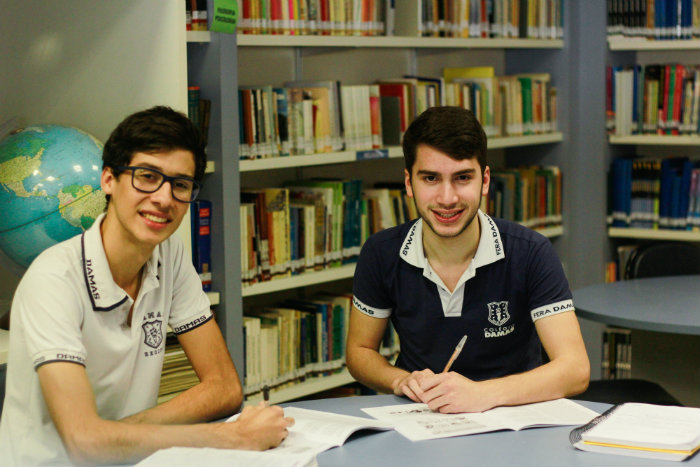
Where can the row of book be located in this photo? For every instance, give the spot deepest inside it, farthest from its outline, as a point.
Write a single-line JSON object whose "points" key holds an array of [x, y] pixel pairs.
{"points": [[317, 17], [616, 361], [655, 193], [196, 15], [200, 223], [531, 196], [526, 19], [178, 374], [199, 110], [654, 19], [299, 338], [312, 225], [653, 99], [305, 117]]}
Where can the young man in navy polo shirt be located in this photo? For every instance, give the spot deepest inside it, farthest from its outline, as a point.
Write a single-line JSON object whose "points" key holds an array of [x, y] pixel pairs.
{"points": [[89, 320], [456, 272]]}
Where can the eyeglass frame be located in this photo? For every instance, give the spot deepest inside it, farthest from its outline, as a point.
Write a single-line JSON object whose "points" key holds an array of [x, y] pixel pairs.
{"points": [[196, 186]]}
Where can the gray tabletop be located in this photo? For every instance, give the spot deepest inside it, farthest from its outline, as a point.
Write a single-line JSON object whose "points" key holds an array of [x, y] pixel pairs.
{"points": [[664, 304], [536, 447]]}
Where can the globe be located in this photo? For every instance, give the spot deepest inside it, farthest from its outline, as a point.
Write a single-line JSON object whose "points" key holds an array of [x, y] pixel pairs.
{"points": [[49, 189]]}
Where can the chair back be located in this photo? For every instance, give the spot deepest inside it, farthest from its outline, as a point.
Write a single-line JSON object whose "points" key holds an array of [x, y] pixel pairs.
{"points": [[663, 259]]}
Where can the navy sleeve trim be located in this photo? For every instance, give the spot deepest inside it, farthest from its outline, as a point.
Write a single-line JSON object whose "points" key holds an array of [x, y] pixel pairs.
{"points": [[177, 330], [36, 367]]}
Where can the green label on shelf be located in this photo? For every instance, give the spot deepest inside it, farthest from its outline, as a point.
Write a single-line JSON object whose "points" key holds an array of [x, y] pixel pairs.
{"points": [[372, 154], [225, 16]]}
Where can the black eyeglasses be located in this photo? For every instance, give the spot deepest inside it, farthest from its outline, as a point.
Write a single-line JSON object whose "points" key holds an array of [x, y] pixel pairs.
{"points": [[148, 180]]}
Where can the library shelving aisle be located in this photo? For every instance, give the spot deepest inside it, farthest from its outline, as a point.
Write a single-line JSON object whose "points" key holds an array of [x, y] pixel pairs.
{"points": [[683, 381], [219, 64]]}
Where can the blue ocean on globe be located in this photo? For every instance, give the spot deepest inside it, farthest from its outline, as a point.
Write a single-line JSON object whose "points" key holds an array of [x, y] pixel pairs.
{"points": [[49, 189]]}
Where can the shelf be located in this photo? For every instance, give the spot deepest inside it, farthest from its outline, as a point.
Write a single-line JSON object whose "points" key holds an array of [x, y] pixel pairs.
{"points": [[198, 36], [300, 280], [661, 140], [624, 43], [551, 232], [526, 140], [655, 234], [273, 163], [252, 40], [309, 386], [307, 160]]}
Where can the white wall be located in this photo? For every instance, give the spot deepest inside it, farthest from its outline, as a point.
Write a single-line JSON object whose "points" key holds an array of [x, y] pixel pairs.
{"points": [[89, 64]]}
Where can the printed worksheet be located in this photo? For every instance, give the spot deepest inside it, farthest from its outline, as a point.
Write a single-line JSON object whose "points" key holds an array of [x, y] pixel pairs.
{"points": [[312, 433], [418, 422]]}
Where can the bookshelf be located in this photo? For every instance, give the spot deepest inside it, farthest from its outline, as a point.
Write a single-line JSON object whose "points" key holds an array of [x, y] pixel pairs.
{"points": [[353, 60]]}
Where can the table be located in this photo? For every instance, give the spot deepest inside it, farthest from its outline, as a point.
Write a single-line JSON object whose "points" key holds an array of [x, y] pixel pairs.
{"points": [[536, 447], [664, 304]]}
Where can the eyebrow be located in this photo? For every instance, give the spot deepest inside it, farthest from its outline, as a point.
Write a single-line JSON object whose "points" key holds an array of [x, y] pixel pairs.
{"points": [[461, 172]]}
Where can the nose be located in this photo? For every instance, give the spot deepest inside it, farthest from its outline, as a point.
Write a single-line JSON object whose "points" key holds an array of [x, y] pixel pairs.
{"points": [[447, 194], [163, 196]]}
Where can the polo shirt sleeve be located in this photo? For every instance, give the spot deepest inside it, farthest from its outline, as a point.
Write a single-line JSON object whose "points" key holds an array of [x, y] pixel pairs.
{"points": [[548, 288], [370, 294], [190, 306], [50, 313]]}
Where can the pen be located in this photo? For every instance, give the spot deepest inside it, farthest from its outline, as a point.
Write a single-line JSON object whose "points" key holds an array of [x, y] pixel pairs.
{"points": [[455, 354]]}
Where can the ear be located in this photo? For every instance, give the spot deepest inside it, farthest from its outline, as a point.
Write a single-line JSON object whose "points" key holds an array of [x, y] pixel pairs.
{"points": [[407, 182], [486, 181], [107, 180]]}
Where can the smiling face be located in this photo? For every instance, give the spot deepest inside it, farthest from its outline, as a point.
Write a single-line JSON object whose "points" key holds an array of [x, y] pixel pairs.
{"points": [[146, 219], [447, 192]]}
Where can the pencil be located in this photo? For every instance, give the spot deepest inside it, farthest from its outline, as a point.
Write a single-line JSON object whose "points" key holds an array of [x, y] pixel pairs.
{"points": [[455, 354]]}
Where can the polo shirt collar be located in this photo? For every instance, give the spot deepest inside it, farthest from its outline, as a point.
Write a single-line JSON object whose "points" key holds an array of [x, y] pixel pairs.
{"points": [[490, 247], [104, 293]]}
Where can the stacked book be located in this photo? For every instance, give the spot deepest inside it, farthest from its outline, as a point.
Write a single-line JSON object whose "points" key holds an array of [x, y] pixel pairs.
{"points": [[316, 17], [531, 196], [298, 338], [178, 374], [312, 117], [658, 99], [525, 19], [655, 193], [654, 19]]}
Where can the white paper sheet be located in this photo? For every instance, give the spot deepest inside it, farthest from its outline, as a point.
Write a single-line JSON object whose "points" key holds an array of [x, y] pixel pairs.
{"points": [[417, 422]]}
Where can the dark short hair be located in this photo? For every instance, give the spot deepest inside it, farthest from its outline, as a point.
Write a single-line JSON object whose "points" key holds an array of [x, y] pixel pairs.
{"points": [[452, 130], [159, 128]]}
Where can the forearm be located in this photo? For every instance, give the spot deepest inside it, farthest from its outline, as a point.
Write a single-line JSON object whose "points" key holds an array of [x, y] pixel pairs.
{"points": [[556, 379], [110, 442], [373, 370], [208, 400]]}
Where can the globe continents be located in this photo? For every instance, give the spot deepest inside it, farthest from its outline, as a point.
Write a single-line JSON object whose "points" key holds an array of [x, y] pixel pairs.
{"points": [[49, 189]]}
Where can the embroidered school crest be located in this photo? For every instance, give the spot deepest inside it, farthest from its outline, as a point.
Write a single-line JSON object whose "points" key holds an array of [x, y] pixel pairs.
{"points": [[153, 333], [498, 313]]}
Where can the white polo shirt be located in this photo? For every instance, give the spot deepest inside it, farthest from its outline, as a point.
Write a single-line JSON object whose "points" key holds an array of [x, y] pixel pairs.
{"points": [[68, 308]]}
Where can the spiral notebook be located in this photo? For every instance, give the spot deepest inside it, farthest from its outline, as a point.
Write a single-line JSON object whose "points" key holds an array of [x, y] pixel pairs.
{"points": [[642, 430]]}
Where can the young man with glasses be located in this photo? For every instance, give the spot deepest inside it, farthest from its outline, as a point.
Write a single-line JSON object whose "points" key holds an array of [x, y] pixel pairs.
{"points": [[90, 316]]}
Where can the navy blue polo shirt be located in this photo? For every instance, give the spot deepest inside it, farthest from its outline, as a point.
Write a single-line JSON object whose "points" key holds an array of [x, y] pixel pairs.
{"points": [[514, 279]]}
